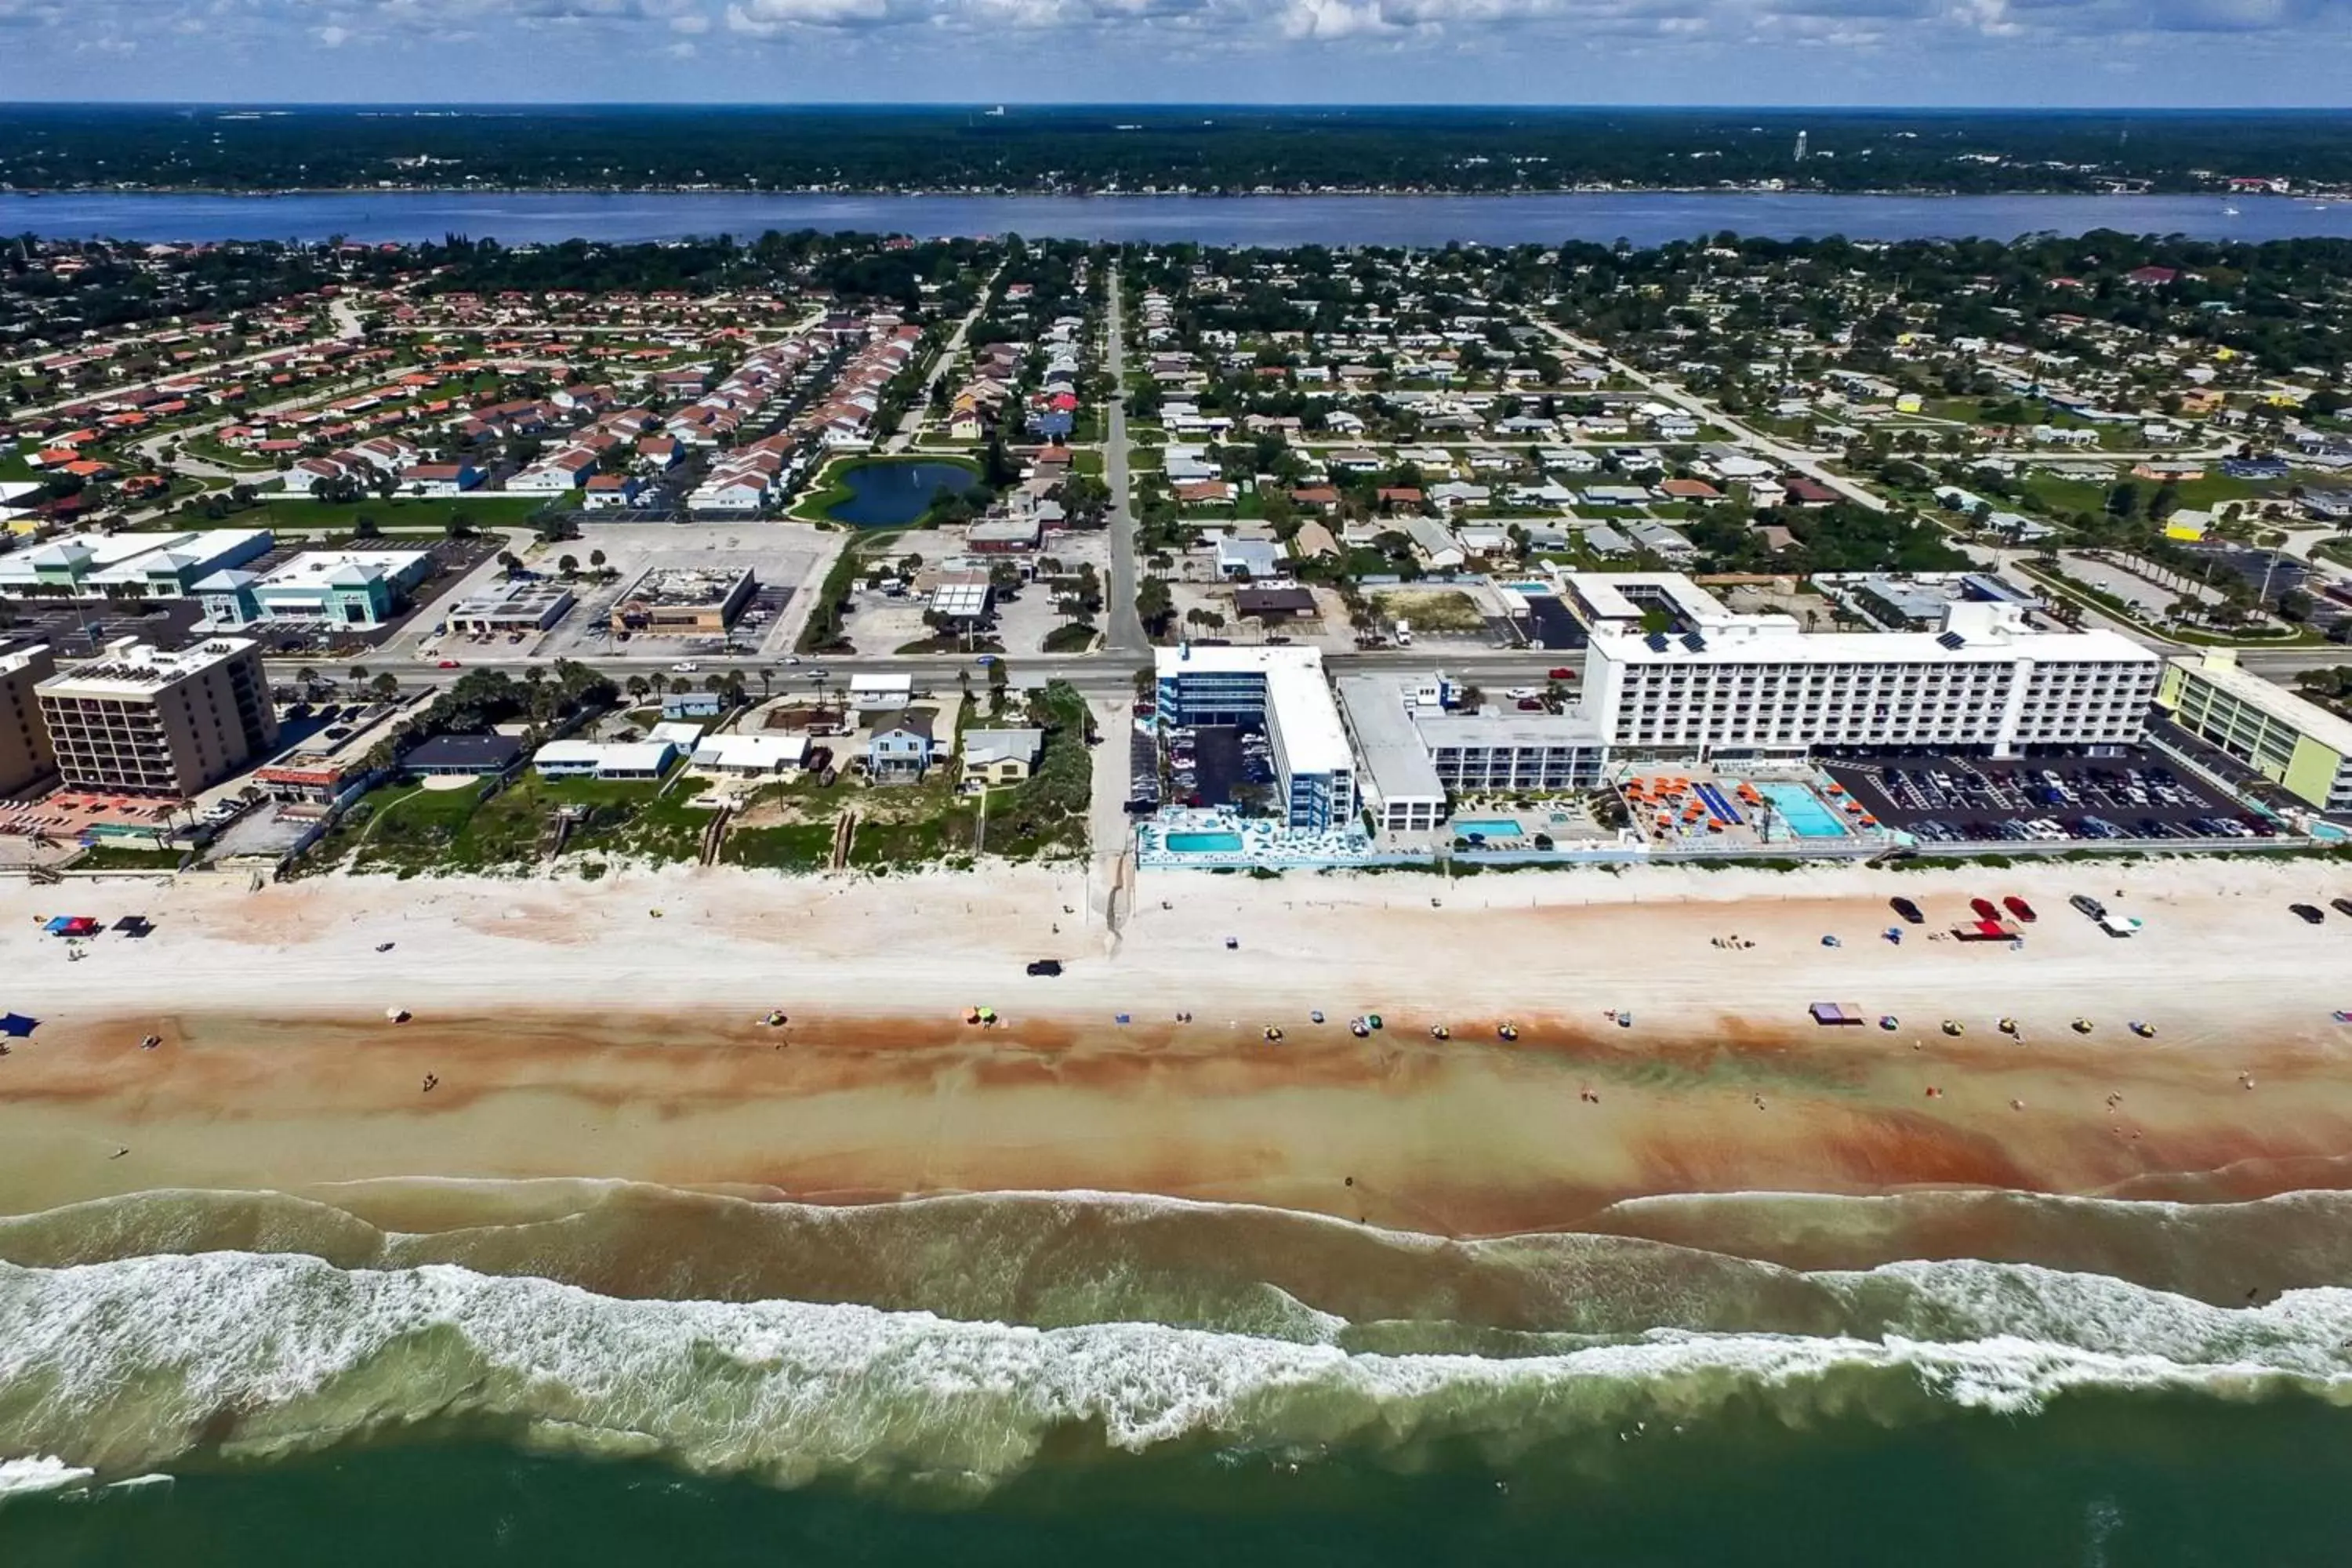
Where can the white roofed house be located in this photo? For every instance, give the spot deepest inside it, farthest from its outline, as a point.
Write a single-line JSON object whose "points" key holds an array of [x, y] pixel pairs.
{"points": [[1001, 756], [751, 755], [603, 759], [1434, 543]]}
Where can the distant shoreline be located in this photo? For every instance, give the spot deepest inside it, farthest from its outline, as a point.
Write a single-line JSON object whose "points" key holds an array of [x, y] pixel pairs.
{"points": [[933, 193]]}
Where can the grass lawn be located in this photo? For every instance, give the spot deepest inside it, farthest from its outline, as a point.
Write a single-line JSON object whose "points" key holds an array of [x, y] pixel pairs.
{"points": [[402, 511], [789, 847], [205, 448]]}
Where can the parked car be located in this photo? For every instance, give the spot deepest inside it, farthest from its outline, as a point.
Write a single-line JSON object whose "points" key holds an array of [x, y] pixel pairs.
{"points": [[1911, 912], [1046, 966], [2020, 907], [2307, 913]]}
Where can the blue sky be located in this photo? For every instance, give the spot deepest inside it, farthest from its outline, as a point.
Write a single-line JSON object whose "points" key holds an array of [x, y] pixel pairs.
{"points": [[2123, 53]]}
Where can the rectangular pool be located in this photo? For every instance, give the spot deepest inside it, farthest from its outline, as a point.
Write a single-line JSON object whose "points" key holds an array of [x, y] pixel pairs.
{"points": [[1203, 843], [1489, 827], [1802, 811]]}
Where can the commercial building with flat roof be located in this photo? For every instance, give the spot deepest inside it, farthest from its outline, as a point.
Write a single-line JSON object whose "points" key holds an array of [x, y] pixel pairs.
{"points": [[148, 566], [25, 754], [1399, 784], [683, 601], [511, 605], [350, 588], [1758, 685], [1281, 691], [1419, 756], [2296, 744], [143, 722]]}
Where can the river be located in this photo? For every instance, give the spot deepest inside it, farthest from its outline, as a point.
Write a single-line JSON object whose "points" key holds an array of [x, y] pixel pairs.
{"points": [[1642, 217]]}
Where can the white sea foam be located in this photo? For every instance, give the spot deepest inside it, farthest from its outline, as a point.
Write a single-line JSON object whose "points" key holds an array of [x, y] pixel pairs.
{"points": [[40, 1473], [126, 1366]]}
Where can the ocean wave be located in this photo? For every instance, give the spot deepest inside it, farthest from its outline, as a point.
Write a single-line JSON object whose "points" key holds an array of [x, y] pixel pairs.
{"points": [[135, 1365], [40, 1473]]}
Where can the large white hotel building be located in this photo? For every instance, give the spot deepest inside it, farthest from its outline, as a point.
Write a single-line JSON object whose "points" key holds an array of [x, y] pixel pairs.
{"points": [[1725, 684]]}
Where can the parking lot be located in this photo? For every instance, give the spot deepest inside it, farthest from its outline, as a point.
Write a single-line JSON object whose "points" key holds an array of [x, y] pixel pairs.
{"points": [[783, 558], [1959, 800], [79, 629], [1208, 764]]}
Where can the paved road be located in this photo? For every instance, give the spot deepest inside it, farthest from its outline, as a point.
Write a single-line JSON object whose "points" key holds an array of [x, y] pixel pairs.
{"points": [[1123, 629], [920, 415]]}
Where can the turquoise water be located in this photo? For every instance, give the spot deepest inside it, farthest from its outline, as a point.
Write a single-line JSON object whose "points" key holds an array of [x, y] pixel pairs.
{"points": [[893, 494], [1203, 843], [1800, 811], [1491, 826]]}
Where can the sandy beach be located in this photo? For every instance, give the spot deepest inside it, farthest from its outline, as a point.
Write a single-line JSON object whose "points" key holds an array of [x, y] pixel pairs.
{"points": [[572, 1031]]}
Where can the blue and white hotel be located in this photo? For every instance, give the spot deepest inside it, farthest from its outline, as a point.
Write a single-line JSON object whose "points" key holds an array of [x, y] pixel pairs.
{"points": [[1281, 691]]}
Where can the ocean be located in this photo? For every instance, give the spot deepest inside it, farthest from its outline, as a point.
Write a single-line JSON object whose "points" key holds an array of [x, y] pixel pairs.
{"points": [[1643, 218], [602, 1373]]}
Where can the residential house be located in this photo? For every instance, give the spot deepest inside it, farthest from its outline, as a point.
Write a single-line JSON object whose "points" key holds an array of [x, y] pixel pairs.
{"points": [[900, 749], [1001, 756]]}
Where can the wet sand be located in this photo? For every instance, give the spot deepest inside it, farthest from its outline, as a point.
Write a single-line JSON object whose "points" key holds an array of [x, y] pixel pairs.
{"points": [[278, 1070]]}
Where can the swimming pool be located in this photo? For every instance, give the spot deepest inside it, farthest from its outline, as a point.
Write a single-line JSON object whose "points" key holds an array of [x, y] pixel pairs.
{"points": [[1802, 811], [1489, 827], [1203, 843]]}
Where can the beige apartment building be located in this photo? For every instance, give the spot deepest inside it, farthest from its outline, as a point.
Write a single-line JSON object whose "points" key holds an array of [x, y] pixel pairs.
{"points": [[25, 754], [139, 721]]}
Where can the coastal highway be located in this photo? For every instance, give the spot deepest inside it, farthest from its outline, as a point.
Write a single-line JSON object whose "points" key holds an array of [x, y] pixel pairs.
{"points": [[1123, 627], [1096, 674]]}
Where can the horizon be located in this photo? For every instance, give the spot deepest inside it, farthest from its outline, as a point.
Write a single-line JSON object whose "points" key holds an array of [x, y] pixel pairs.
{"points": [[1163, 106], [1807, 54]]}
